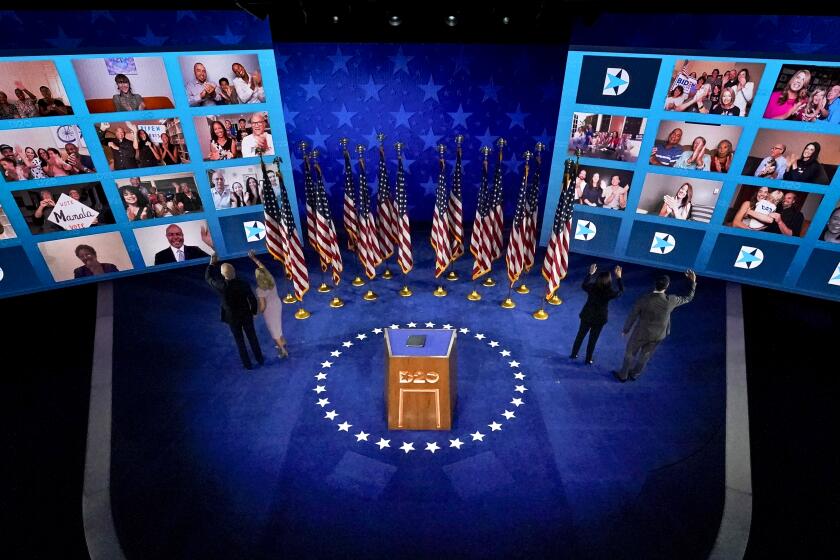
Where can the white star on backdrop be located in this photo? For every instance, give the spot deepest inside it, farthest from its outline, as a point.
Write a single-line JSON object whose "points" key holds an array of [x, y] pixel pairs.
{"points": [[362, 436], [495, 426], [518, 402], [433, 446], [331, 414], [493, 343], [407, 447], [347, 344], [505, 353], [508, 414], [412, 325], [361, 336], [480, 336], [519, 376], [456, 443], [326, 364], [377, 330], [430, 325], [395, 326], [520, 389], [383, 443], [335, 353], [514, 364], [345, 426], [464, 330], [323, 402], [477, 436], [320, 389], [321, 376], [447, 326]]}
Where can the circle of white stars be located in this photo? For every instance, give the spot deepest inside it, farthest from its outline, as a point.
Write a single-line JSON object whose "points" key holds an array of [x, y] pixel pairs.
{"points": [[475, 439]]}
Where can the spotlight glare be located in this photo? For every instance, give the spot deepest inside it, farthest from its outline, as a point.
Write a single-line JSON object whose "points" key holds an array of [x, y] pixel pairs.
{"points": [[451, 21], [394, 21], [506, 20], [335, 19]]}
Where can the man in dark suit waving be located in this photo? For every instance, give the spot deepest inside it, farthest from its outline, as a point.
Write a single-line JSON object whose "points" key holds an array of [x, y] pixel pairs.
{"points": [[238, 307], [651, 316], [177, 251]]}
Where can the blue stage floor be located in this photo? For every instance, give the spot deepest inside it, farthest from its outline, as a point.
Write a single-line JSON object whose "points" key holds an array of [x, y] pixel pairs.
{"points": [[211, 461]]}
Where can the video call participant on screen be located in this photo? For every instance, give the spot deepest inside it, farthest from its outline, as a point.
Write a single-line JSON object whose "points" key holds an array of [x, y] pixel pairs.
{"points": [[789, 220], [679, 205], [177, 251], [80, 163], [228, 93], [831, 111], [696, 157], [807, 168], [813, 109], [774, 165], [123, 150], [760, 214], [599, 291], [169, 154], [147, 153], [9, 166], [668, 153], [222, 146], [259, 139], [186, 200], [137, 205], [125, 99], [7, 110], [747, 208], [249, 89], [592, 193], [791, 99], [42, 213], [831, 233], [200, 91], [238, 308], [26, 104], [49, 106], [252, 192], [614, 195], [91, 266], [722, 157], [221, 192], [726, 106]]}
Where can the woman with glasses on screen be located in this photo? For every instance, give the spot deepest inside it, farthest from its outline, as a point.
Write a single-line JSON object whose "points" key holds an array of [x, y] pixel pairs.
{"points": [[125, 99]]}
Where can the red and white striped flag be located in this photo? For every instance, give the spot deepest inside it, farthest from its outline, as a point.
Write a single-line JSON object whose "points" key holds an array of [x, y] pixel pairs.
{"points": [[440, 224], [309, 192], [370, 254], [515, 256], [556, 263], [282, 238], [497, 222], [481, 242], [404, 256], [327, 238], [456, 210], [386, 212], [351, 221], [532, 212]]}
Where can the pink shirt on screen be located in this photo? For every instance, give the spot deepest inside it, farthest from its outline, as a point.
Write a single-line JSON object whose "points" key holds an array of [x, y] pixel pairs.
{"points": [[774, 109]]}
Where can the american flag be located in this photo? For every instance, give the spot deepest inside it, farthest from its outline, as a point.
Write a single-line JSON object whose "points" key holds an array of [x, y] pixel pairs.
{"points": [[515, 256], [369, 252], [351, 222], [440, 224], [282, 239], [386, 213], [404, 256], [456, 210], [327, 238], [481, 243], [556, 262], [531, 213], [497, 223], [309, 186]]}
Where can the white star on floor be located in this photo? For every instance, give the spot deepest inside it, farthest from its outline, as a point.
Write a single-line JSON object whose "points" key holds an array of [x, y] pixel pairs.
{"points": [[377, 330], [407, 447], [326, 364], [447, 326], [430, 325], [345, 426], [323, 402], [412, 325], [331, 414], [480, 336], [464, 330], [520, 389], [508, 414], [347, 344], [362, 436], [456, 443], [321, 376], [495, 426], [383, 443], [493, 343], [335, 353], [514, 363], [320, 389], [395, 326], [517, 402], [505, 353], [433, 446], [520, 376], [477, 436], [361, 336]]}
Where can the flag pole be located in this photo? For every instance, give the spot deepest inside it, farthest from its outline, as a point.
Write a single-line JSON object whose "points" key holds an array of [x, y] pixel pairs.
{"points": [[489, 282], [555, 299], [509, 303], [386, 274], [357, 281], [478, 222], [302, 145], [459, 139], [405, 291], [289, 297], [370, 295], [440, 291], [534, 212], [321, 199]]}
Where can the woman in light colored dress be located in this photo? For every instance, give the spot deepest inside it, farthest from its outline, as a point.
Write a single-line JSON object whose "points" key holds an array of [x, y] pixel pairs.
{"points": [[270, 304]]}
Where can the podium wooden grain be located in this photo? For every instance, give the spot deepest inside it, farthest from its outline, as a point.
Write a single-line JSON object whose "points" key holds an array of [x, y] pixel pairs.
{"points": [[420, 388]]}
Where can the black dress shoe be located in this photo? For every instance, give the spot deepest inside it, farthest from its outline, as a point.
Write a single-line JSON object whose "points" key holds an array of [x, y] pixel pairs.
{"points": [[589, 361], [617, 376]]}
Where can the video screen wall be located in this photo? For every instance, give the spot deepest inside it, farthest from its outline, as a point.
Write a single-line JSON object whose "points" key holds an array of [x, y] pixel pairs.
{"points": [[113, 164], [725, 165]]}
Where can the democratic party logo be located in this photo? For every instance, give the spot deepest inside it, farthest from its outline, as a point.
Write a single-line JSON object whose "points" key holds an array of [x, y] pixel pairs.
{"points": [[663, 243], [619, 81], [833, 281], [254, 231], [616, 81], [585, 230], [749, 257]]}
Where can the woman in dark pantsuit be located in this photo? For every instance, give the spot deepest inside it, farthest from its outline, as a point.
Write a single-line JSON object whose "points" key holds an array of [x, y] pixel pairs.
{"points": [[593, 316]]}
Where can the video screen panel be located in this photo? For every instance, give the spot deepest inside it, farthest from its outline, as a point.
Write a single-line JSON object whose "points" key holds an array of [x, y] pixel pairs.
{"points": [[730, 164], [107, 160]]}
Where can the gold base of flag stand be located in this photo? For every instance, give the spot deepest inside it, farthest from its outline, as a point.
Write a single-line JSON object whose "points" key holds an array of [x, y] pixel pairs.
{"points": [[290, 298], [488, 282], [508, 304], [302, 314], [405, 292], [555, 300], [336, 302], [387, 274], [357, 281], [439, 292], [474, 296], [522, 289], [323, 288], [540, 315], [452, 276], [370, 295]]}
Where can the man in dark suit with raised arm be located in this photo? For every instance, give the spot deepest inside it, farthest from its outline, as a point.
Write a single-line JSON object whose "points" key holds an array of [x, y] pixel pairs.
{"points": [[651, 316], [239, 305], [177, 251]]}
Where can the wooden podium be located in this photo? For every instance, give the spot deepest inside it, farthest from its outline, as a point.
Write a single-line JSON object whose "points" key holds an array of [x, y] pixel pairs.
{"points": [[420, 382]]}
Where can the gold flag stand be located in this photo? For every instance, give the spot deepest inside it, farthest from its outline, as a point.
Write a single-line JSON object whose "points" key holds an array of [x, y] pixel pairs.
{"points": [[508, 303]]}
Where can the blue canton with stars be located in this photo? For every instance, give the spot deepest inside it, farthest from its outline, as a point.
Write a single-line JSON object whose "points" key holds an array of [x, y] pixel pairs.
{"points": [[421, 95]]}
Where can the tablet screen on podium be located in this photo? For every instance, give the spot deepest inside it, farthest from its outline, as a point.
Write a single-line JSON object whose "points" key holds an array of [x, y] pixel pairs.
{"points": [[416, 341]]}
